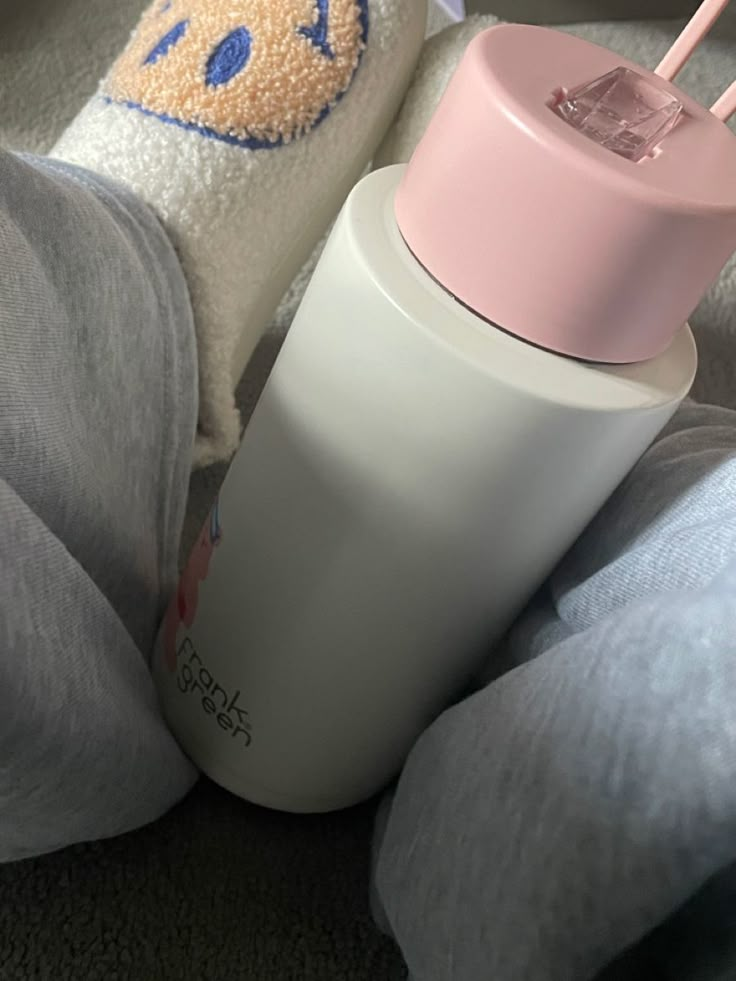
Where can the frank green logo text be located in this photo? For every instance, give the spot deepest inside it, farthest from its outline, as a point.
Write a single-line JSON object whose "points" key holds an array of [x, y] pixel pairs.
{"points": [[224, 706]]}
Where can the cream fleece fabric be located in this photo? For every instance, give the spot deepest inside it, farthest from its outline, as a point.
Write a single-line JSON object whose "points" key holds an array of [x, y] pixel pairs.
{"points": [[243, 219]]}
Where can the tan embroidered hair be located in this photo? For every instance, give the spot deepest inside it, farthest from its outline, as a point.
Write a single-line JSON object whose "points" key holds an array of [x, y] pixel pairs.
{"points": [[255, 72]]}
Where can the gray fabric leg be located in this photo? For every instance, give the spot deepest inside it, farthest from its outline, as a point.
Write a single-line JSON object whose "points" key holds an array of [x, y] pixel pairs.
{"points": [[97, 418], [575, 803]]}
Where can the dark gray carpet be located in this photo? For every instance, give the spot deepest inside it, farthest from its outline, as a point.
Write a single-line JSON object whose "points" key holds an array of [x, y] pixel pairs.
{"points": [[218, 890]]}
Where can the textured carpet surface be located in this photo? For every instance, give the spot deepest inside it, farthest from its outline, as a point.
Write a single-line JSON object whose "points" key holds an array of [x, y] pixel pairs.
{"points": [[216, 891]]}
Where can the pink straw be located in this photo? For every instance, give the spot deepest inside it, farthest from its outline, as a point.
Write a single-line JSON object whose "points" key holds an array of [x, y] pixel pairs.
{"points": [[701, 22], [725, 107]]}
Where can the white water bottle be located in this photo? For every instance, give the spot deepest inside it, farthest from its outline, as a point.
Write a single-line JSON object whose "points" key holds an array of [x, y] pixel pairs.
{"points": [[412, 472]]}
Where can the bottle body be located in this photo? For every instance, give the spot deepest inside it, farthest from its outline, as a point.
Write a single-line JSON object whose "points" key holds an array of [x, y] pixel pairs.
{"points": [[409, 477]]}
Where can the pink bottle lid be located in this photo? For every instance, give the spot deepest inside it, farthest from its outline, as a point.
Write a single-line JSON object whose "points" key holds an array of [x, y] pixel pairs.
{"points": [[583, 211]]}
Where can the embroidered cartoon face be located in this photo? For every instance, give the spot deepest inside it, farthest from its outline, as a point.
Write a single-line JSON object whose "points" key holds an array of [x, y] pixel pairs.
{"points": [[256, 73]]}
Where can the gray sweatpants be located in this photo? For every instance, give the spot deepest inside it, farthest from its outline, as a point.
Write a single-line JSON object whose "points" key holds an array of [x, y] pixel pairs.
{"points": [[579, 806], [97, 418], [584, 798]]}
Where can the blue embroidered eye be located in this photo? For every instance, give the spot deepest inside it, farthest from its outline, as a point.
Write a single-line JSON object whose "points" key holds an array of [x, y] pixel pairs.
{"points": [[165, 6], [167, 42], [317, 33], [229, 57]]}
